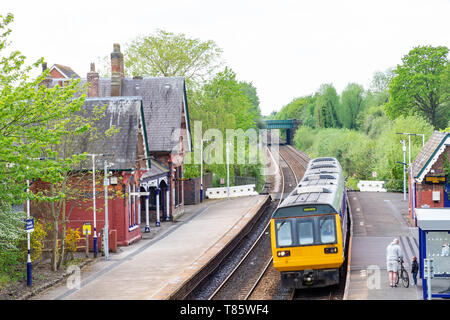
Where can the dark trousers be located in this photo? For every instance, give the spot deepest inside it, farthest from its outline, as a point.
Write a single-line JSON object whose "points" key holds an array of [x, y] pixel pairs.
{"points": [[414, 275]]}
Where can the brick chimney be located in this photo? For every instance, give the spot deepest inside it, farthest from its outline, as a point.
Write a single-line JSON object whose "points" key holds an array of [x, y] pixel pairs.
{"points": [[92, 78], [48, 80], [117, 71]]}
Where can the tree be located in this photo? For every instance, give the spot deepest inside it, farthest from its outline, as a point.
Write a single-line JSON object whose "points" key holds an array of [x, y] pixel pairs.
{"points": [[166, 54], [32, 117], [419, 87], [249, 90], [327, 104], [352, 104], [221, 105]]}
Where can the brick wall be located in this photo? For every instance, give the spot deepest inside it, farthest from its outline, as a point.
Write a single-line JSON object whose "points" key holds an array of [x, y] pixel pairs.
{"points": [[192, 188], [424, 192]]}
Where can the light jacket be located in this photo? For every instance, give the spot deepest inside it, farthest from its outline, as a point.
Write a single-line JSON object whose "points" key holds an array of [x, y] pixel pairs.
{"points": [[393, 252]]}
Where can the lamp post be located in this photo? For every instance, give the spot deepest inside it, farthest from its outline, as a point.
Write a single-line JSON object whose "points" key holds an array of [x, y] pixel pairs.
{"points": [[201, 167], [29, 270], [201, 171], [403, 142], [29, 273], [106, 228], [93, 155], [412, 192], [228, 170]]}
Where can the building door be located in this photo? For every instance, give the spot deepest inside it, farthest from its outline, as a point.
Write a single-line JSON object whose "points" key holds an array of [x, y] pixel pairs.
{"points": [[447, 192]]}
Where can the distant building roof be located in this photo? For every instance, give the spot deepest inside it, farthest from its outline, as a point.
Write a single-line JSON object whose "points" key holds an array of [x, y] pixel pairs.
{"points": [[429, 154], [124, 114], [66, 71]]}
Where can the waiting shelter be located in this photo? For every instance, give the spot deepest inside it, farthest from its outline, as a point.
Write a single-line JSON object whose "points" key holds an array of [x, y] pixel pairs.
{"points": [[434, 239]]}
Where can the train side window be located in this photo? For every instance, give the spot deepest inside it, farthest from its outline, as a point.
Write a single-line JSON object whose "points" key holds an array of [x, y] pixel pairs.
{"points": [[305, 232], [284, 233], [327, 230]]}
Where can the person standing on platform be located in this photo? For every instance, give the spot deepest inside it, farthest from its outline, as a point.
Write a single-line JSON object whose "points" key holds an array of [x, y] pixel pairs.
{"points": [[414, 269], [393, 254]]}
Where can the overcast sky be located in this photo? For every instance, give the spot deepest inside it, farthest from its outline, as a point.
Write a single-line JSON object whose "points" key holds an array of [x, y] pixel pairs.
{"points": [[285, 48]]}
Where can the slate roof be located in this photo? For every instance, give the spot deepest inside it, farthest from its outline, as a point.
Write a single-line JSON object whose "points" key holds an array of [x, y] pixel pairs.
{"points": [[163, 108], [163, 99], [157, 169], [123, 113], [428, 151]]}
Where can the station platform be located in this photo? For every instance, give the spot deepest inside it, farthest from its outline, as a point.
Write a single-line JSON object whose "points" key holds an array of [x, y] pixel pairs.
{"points": [[162, 262], [378, 218]]}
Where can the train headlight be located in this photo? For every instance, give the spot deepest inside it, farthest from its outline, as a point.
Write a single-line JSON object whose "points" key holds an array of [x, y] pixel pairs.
{"points": [[331, 250], [285, 253]]}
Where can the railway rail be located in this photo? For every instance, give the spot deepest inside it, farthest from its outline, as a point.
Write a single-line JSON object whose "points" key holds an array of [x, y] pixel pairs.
{"points": [[248, 273]]}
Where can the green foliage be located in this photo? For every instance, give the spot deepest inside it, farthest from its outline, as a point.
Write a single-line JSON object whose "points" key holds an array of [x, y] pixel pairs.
{"points": [[360, 154], [327, 106], [351, 106], [351, 148], [420, 86], [222, 104], [165, 54], [32, 117]]}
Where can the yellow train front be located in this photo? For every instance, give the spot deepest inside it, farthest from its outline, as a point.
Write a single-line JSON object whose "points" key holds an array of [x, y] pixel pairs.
{"points": [[309, 228]]}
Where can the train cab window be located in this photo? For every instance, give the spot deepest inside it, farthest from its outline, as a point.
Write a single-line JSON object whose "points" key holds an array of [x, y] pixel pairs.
{"points": [[327, 230], [284, 232], [305, 231]]}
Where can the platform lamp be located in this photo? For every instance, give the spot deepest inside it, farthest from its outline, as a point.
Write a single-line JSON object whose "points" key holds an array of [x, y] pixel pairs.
{"points": [[93, 155], [403, 142], [228, 168], [29, 269], [201, 166], [106, 228]]}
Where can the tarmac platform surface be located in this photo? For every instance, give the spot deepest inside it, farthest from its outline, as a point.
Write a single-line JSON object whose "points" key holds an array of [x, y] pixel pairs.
{"points": [[378, 218], [155, 267]]}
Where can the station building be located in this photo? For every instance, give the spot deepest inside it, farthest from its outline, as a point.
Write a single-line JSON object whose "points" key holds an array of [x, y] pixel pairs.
{"points": [[154, 135], [429, 174], [429, 205]]}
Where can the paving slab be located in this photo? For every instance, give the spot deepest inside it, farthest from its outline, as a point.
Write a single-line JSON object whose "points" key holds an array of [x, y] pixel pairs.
{"points": [[153, 267], [378, 218]]}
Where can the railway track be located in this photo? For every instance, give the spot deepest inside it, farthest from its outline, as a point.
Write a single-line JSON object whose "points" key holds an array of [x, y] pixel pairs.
{"points": [[249, 272], [259, 253]]}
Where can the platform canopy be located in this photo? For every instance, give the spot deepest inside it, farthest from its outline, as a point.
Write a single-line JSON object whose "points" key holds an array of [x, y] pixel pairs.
{"points": [[433, 218]]}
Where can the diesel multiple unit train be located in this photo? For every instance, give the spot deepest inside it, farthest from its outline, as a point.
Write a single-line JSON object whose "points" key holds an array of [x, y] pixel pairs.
{"points": [[309, 228]]}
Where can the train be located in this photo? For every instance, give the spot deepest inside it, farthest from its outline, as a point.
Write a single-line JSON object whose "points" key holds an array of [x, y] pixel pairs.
{"points": [[309, 228]]}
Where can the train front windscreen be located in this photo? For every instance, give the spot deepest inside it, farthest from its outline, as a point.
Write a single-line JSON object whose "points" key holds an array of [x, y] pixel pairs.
{"points": [[305, 231]]}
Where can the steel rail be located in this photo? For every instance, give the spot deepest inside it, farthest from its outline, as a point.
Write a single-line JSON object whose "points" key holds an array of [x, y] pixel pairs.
{"points": [[271, 258]]}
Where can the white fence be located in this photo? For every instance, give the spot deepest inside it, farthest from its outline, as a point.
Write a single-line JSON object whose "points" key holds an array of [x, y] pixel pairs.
{"points": [[236, 191], [371, 186]]}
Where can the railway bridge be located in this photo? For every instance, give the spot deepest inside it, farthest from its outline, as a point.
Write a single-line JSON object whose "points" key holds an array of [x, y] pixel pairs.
{"points": [[290, 125]]}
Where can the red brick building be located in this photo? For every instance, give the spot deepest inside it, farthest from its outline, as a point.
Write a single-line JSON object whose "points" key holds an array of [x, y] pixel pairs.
{"points": [[124, 148], [431, 182], [152, 115], [165, 119]]}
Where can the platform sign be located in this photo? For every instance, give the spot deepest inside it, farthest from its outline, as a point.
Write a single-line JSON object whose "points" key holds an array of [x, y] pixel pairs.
{"points": [[29, 225], [87, 228]]}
